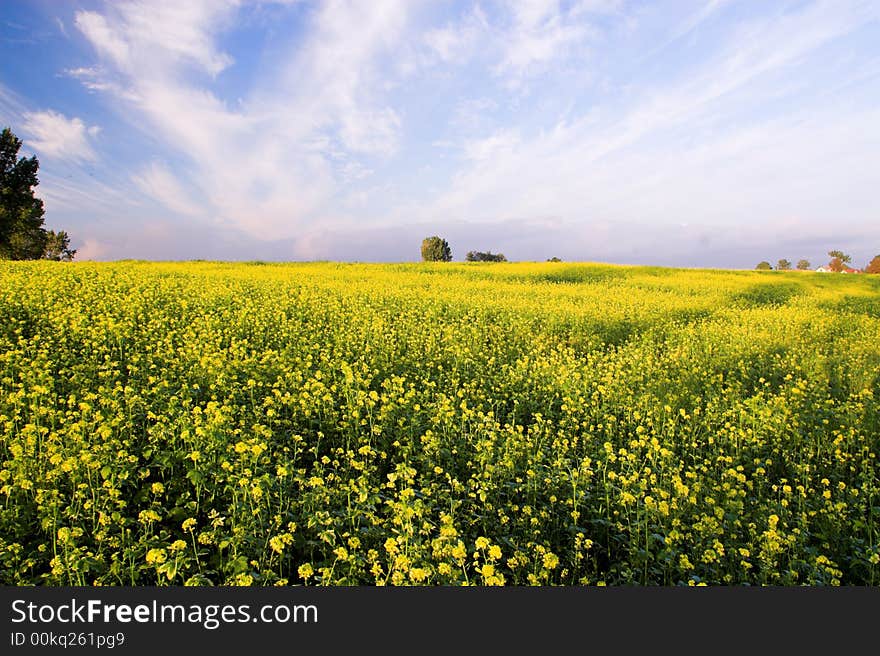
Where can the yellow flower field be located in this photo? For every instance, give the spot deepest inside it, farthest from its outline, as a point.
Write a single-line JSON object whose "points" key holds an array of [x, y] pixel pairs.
{"points": [[423, 424]]}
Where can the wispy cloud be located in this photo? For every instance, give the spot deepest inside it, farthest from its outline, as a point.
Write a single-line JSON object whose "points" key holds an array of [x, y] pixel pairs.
{"points": [[173, 32], [490, 148], [12, 107], [708, 9], [336, 81], [541, 32], [591, 126], [643, 160], [457, 41], [271, 162], [54, 135], [525, 38]]}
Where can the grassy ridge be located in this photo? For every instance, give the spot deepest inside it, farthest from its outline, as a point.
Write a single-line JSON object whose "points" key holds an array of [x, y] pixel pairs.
{"points": [[255, 423]]}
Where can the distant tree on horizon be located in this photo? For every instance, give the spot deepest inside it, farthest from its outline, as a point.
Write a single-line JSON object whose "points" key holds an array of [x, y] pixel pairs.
{"points": [[58, 246], [839, 260], [554, 259], [873, 265], [803, 265], [764, 266], [488, 256], [436, 249], [783, 265]]}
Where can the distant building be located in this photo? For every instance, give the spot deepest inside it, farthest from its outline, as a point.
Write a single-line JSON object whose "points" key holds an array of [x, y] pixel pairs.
{"points": [[825, 269]]}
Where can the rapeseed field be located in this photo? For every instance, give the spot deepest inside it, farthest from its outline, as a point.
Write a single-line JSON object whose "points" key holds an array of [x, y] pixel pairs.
{"points": [[207, 423]]}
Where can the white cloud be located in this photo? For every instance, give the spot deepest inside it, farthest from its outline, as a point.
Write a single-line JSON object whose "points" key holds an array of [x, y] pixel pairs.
{"points": [[456, 42], [90, 77], [490, 148], [606, 139], [275, 159], [541, 33], [155, 32], [671, 152], [54, 135], [105, 40], [524, 39], [335, 77]]}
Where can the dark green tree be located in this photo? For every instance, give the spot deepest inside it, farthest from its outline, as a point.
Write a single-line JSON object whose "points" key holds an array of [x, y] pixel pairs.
{"points": [[803, 265], [58, 247], [489, 256], [554, 259], [764, 266], [783, 265], [436, 249], [22, 236]]}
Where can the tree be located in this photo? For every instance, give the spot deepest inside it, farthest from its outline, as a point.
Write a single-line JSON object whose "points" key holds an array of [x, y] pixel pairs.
{"points": [[22, 236], [58, 247], [839, 260], [783, 265], [764, 266], [479, 256], [436, 249], [803, 265], [873, 265], [554, 259]]}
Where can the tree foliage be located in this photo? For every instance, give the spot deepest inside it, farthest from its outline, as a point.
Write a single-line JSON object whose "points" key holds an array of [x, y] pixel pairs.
{"points": [[873, 265], [436, 249], [22, 236], [489, 256], [783, 265], [839, 260], [58, 247], [803, 265], [764, 266]]}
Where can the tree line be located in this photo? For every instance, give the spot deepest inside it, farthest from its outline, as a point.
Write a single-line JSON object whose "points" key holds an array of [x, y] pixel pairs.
{"points": [[22, 235], [839, 262], [436, 249]]}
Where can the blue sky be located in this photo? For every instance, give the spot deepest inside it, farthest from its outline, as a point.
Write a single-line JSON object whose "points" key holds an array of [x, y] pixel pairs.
{"points": [[685, 133]]}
